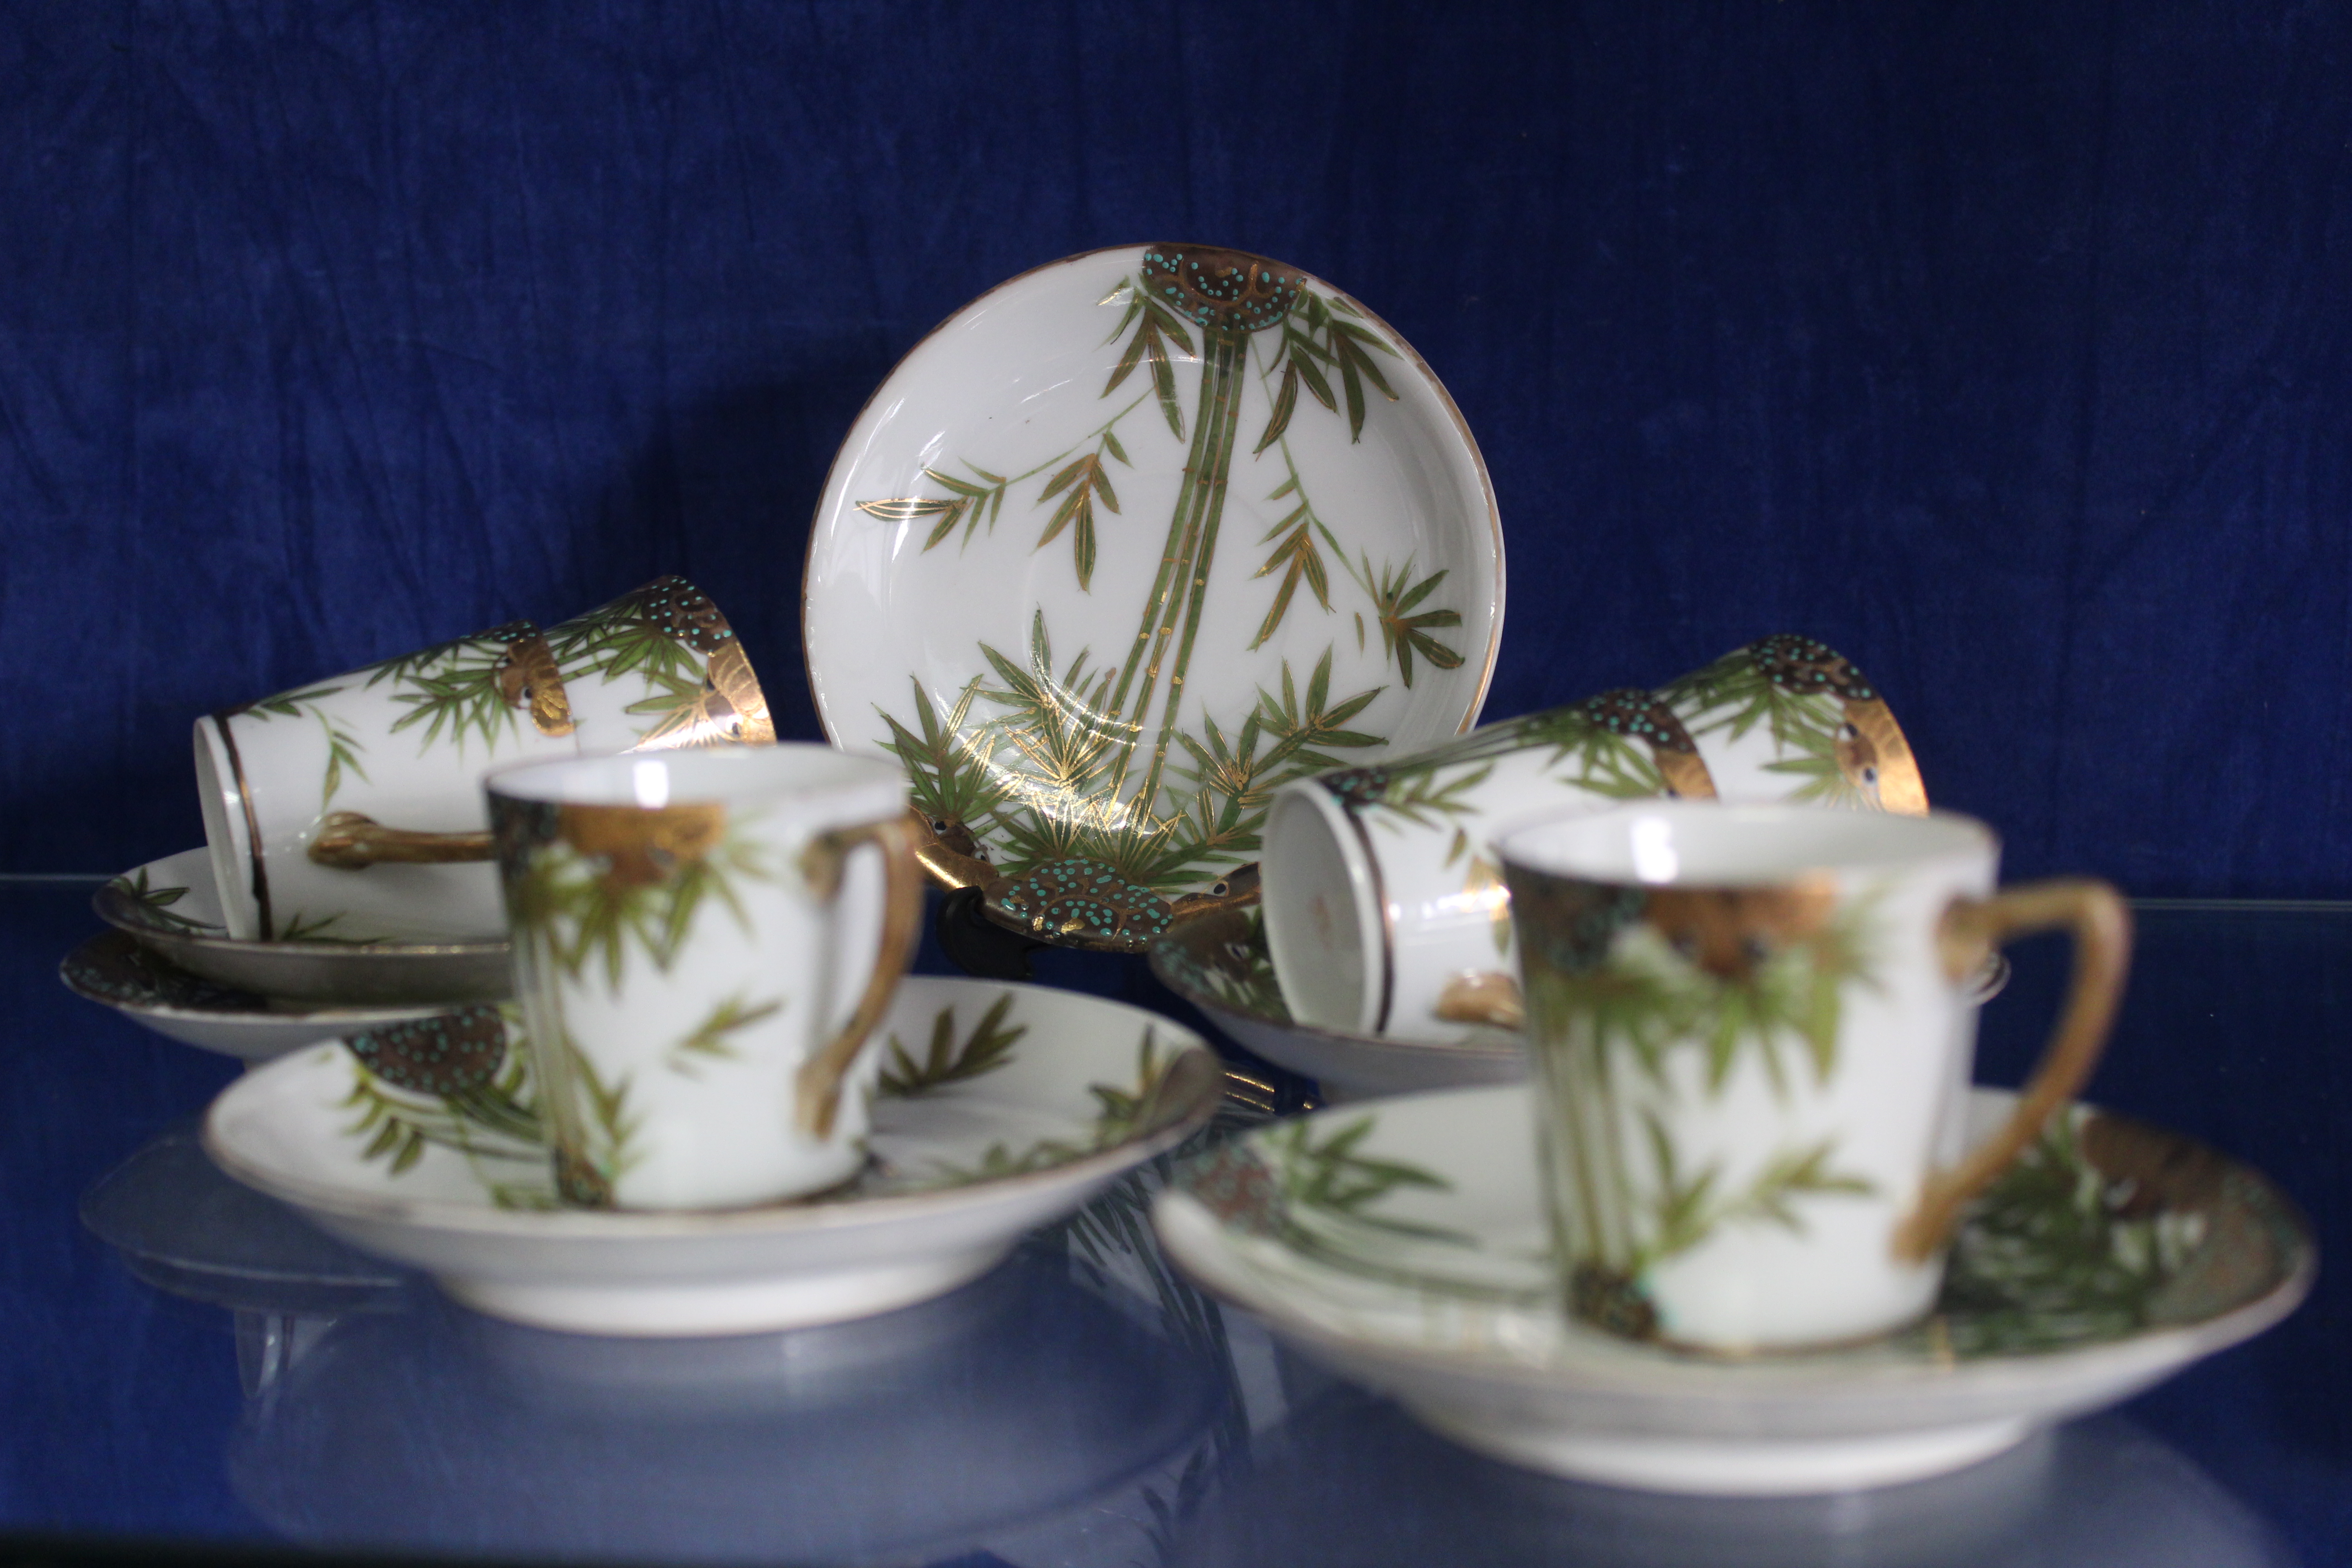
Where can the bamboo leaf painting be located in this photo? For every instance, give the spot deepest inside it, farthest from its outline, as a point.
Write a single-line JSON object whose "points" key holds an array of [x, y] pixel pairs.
{"points": [[1100, 750], [949, 1060]]}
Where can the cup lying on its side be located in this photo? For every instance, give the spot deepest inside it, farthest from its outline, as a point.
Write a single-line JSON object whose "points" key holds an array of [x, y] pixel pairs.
{"points": [[703, 944], [351, 809], [1751, 1043], [1386, 912]]}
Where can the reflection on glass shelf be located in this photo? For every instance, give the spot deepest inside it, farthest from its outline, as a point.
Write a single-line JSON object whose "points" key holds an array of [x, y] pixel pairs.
{"points": [[181, 1225], [1022, 1405], [1353, 1482]]}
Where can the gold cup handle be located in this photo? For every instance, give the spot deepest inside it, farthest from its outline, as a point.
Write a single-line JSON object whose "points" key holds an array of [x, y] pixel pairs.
{"points": [[2101, 924], [818, 1086], [353, 841], [1483, 997]]}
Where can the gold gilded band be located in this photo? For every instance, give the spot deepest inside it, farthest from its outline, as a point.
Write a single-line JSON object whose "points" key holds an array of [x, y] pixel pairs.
{"points": [[823, 864], [2101, 924], [252, 826], [352, 841]]}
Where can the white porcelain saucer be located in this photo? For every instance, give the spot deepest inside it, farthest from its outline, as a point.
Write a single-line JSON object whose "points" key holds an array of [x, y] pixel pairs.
{"points": [[1000, 1108], [1124, 544], [1218, 961], [172, 908], [114, 971], [1403, 1244]]}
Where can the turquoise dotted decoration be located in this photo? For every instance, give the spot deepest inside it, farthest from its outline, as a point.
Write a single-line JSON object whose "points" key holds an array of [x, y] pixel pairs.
{"points": [[1357, 787], [444, 1055], [1637, 715], [1085, 899], [684, 612], [1802, 665], [1226, 291]]}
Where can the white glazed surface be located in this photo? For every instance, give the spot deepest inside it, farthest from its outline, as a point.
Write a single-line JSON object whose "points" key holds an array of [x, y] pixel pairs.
{"points": [[914, 1229], [1466, 1333], [1368, 928], [1018, 376], [722, 1124], [332, 746], [1887, 1115], [400, 742]]}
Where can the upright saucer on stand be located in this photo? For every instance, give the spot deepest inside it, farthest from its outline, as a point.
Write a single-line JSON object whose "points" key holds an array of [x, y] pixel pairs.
{"points": [[1405, 1244], [1126, 542], [172, 908], [999, 1107]]}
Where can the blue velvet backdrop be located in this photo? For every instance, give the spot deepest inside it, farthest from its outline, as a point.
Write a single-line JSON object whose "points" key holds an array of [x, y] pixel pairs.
{"points": [[2006, 346]]}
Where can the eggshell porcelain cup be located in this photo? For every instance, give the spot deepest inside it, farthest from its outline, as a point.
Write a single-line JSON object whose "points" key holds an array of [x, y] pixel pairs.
{"points": [[1385, 911], [1788, 718], [1751, 1043], [703, 941], [1382, 894], [351, 809]]}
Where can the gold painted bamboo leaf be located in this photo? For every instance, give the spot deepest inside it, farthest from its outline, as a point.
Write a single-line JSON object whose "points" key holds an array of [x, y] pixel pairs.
{"points": [[1299, 553], [1278, 421], [1163, 383], [906, 509], [1404, 634], [987, 1048]]}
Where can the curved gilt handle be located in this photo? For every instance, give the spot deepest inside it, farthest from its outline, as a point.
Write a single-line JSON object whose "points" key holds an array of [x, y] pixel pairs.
{"points": [[1483, 997], [353, 841], [2101, 927], [818, 1096]]}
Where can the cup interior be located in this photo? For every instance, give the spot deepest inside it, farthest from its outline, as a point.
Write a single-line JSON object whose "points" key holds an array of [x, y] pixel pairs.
{"points": [[1323, 914], [1701, 844], [718, 774]]}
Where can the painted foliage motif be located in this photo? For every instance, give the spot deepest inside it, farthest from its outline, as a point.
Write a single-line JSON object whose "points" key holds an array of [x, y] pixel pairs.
{"points": [[2104, 1229], [472, 690], [590, 888], [462, 1081], [1093, 761], [1626, 979], [683, 675], [1834, 734], [1624, 744]]}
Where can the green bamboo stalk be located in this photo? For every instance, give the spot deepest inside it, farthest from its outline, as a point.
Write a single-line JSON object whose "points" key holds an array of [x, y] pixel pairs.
{"points": [[1225, 374], [1157, 609], [1181, 560], [1620, 1181]]}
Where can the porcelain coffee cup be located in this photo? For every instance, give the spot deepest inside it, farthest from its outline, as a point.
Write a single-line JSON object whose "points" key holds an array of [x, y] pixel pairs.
{"points": [[351, 809], [1385, 909], [1751, 1043], [704, 942], [1789, 717], [1381, 888]]}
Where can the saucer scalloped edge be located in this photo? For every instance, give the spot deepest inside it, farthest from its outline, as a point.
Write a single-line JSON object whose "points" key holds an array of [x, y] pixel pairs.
{"points": [[114, 971], [997, 1109], [1125, 544], [1404, 1246], [172, 907]]}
